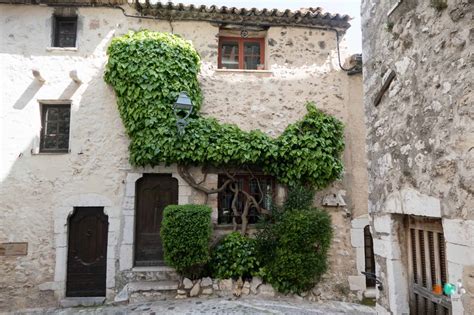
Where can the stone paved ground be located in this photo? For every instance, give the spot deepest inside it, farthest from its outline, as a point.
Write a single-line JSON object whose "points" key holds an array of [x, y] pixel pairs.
{"points": [[217, 306]]}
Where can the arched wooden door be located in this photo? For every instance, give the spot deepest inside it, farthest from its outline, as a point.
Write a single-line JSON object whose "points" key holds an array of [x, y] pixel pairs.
{"points": [[153, 193], [87, 252]]}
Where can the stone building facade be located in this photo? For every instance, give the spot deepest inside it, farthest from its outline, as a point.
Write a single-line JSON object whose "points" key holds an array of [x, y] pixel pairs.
{"points": [[39, 191], [418, 96]]}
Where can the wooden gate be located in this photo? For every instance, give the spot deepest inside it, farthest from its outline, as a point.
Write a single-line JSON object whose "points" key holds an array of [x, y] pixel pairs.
{"points": [[153, 193], [87, 252], [427, 267]]}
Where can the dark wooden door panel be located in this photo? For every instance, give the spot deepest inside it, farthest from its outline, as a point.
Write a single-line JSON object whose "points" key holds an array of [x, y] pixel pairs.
{"points": [[87, 252], [153, 192]]}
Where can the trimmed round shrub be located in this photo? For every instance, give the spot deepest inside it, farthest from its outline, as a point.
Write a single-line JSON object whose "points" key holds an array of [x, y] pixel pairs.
{"points": [[186, 232], [234, 257]]}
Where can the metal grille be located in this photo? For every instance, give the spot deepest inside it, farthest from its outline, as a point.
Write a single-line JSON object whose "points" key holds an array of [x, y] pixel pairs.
{"points": [[427, 266], [369, 256]]}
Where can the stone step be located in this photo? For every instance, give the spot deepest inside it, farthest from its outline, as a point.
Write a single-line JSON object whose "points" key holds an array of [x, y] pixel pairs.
{"points": [[139, 286], [82, 301], [161, 273]]}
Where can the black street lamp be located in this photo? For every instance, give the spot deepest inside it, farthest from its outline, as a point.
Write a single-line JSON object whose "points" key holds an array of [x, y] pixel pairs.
{"points": [[183, 107]]}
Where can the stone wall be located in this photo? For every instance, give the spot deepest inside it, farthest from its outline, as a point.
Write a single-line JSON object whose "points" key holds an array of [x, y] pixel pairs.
{"points": [[35, 188], [421, 134]]}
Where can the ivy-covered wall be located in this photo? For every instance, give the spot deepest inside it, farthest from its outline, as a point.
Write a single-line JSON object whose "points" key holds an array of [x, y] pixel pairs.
{"points": [[149, 69]]}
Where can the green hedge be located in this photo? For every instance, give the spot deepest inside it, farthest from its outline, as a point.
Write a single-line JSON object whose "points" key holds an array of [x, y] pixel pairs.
{"points": [[234, 257], [186, 232], [293, 246], [303, 240]]}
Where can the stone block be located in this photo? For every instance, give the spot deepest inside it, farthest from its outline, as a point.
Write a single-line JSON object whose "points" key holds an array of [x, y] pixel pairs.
{"points": [[459, 254], [383, 224], [195, 290], [207, 291], [398, 292], [266, 290], [360, 222], [460, 232], [357, 283], [60, 239], [128, 230], [206, 282], [357, 237], [254, 284], [183, 200], [360, 259], [380, 310], [187, 283], [185, 190], [387, 249], [225, 284], [141, 286], [46, 286], [82, 301], [123, 295], [468, 278], [60, 270], [126, 257]]}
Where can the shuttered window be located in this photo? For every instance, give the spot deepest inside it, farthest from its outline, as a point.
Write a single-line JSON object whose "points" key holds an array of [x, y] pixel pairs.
{"points": [[427, 266]]}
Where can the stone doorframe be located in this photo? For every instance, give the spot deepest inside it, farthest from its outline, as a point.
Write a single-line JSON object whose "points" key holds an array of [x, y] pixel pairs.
{"points": [[128, 210], [61, 220]]}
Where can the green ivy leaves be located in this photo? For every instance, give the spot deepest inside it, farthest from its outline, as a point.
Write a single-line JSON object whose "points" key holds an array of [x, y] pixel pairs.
{"points": [[149, 69]]}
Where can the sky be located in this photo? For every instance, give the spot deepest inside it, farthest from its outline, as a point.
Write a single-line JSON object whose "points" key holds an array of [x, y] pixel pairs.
{"points": [[349, 7]]}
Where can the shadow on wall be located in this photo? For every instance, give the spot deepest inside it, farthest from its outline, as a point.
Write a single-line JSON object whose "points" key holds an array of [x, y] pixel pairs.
{"points": [[28, 94]]}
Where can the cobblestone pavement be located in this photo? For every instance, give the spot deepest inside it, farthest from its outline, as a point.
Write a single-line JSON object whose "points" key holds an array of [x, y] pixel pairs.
{"points": [[217, 306]]}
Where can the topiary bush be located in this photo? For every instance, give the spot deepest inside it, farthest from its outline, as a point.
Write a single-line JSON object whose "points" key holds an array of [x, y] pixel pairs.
{"points": [[293, 246], [186, 232], [234, 257], [303, 240], [148, 70]]}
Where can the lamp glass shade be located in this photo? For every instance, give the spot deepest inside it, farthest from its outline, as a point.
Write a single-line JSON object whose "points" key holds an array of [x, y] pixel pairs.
{"points": [[183, 102]]}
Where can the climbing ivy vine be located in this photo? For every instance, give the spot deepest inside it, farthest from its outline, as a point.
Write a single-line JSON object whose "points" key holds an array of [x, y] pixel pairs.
{"points": [[149, 69]]}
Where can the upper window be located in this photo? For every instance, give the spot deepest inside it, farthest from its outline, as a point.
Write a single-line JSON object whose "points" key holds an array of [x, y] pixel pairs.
{"points": [[64, 31], [259, 187], [241, 53], [55, 128]]}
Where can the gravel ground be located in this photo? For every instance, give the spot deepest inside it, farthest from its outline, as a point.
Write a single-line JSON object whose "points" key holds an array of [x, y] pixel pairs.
{"points": [[216, 306]]}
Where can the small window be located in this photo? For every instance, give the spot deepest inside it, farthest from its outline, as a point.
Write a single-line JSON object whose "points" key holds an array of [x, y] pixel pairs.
{"points": [[369, 257], [259, 187], [241, 53], [55, 128], [64, 31]]}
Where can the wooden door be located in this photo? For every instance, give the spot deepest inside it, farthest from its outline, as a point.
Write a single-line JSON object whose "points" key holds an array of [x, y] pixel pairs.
{"points": [[153, 193], [87, 252]]}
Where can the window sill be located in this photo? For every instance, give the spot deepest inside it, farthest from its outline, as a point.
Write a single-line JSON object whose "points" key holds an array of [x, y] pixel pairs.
{"points": [[50, 153], [61, 49], [244, 71]]}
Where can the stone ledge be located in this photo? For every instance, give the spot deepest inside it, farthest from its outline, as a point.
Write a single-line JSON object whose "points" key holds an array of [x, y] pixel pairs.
{"points": [[141, 286], [82, 301]]}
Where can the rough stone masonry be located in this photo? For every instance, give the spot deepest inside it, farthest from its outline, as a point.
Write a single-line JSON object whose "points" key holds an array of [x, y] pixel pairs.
{"points": [[420, 142]]}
